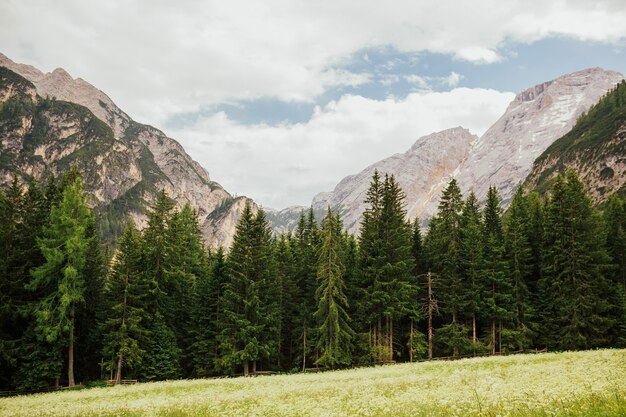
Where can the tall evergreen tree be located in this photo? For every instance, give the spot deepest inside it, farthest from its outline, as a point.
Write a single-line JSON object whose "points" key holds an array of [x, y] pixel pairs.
{"points": [[520, 257], [287, 307], [334, 331], [444, 249], [249, 331], [207, 316], [396, 279], [615, 215], [307, 238], [186, 264], [162, 359], [497, 290], [574, 261], [64, 246], [124, 329], [473, 263]]}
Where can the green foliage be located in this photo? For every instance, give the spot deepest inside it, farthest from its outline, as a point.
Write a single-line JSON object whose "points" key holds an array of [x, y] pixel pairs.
{"points": [[64, 245], [573, 284], [250, 332], [587, 141], [124, 328], [334, 332]]}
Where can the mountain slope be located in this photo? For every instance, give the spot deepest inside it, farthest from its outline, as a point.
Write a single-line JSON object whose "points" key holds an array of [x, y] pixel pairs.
{"points": [[502, 156], [132, 161], [422, 171], [595, 148], [537, 116]]}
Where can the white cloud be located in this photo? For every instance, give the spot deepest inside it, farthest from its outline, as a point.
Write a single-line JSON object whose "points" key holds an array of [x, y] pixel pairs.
{"points": [[160, 58], [157, 58], [425, 82], [287, 164], [419, 81], [453, 79]]}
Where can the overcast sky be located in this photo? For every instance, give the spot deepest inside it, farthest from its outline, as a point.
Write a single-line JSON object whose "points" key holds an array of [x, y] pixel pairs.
{"points": [[279, 100]]}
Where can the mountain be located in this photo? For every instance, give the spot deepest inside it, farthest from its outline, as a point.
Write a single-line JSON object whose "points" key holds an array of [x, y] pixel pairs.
{"points": [[61, 121], [538, 116], [422, 172], [595, 148], [503, 155]]}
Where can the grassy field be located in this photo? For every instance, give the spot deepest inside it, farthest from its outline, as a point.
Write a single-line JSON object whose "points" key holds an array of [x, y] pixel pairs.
{"points": [[591, 383]]}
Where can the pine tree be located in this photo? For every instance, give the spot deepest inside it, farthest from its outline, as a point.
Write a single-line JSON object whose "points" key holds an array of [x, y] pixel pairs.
{"points": [[519, 254], [287, 307], [615, 217], [124, 330], [156, 251], [574, 261], [497, 288], [473, 263], [334, 331], [186, 264], [397, 273], [208, 316], [249, 331], [158, 256], [305, 254], [64, 246], [444, 247]]}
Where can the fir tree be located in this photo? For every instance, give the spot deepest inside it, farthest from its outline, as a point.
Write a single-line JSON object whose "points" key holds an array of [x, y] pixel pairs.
{"points": [[444, 250], [207, 316], [573, 284], [305, 254], [64, 246], [497, 289], [615, 215], [288, 309], [249, 332], [334, 331], [473, 263], [124, 329], [519, 254]]}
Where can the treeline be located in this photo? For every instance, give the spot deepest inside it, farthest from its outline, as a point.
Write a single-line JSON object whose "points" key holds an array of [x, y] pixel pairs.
{"points": [[547, 273]]}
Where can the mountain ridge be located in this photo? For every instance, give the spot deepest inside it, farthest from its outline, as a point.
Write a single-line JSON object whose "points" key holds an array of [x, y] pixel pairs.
{"points": [[502, 156], [182, 177]]}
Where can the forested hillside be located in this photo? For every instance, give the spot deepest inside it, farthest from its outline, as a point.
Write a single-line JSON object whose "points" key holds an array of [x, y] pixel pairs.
{"points": [[549, 273], [595, 148]]}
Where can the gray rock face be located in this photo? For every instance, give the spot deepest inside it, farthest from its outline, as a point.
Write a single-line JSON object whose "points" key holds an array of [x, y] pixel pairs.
{"points": [[184, 179], [422, 172], [503, 156], [537, 117]]}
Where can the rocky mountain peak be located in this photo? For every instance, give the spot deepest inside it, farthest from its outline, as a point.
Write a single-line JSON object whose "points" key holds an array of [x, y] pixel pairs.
{"points": [[533, 121], [503, 155], [422, 171], [174, 170]]}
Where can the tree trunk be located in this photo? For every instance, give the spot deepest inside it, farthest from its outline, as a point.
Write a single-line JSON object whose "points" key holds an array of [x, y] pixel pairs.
{"points": [[411, 343], [70, 359], [379, 335], [474, 328], [304, 349], [118, 374], [246, 372], [390, 338], [493, 337], [430, 316], [253, 367]]}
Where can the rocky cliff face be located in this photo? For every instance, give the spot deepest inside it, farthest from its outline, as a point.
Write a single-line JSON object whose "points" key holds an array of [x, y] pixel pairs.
{"points": [[537, 117], [595, 148], [422, 172], [129, 162], [503, 156]]}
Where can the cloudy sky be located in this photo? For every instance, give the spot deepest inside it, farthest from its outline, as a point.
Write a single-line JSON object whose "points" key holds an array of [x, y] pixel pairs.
{"points": [[279, 100]]}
